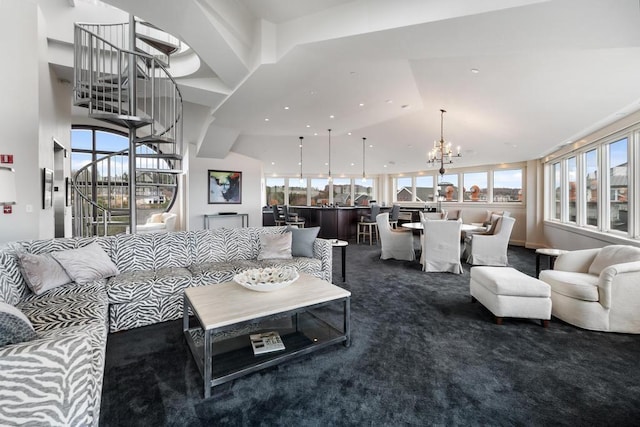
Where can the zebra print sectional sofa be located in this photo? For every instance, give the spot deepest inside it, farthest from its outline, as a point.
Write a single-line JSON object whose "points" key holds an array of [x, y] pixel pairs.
{"points": [[56, 378]]}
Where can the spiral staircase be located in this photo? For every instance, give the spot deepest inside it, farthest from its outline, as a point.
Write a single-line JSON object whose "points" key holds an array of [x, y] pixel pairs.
{"points": [[121, 77]]}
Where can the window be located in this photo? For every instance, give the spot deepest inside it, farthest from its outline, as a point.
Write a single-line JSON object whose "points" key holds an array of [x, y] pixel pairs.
{"points": [[448, 187], [424, 189], [319, 191], [363, 191], [404, 189], [618, 185], [507, 186], [275, 191], [591, 187], [297, 192], [475, 187], [342, 192], [572, 174], [555, 191]]}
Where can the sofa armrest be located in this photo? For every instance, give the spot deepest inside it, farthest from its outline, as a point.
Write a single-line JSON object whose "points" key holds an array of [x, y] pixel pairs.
{"points": [[48, 381], [619, 275], [576, 261], [323, 250]]}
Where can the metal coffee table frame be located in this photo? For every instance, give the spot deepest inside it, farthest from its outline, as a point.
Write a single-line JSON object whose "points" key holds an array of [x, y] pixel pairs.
{"points": [[203, 354]]}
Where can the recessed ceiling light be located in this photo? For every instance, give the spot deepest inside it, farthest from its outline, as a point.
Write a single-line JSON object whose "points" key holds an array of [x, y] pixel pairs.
{"points": [[370, 145], [332, 116], [475, 70], [349, 133], [308, 126], [273, 163], [361, 104], [326, 164], [389, 101], [286, 108], [315, 134], [353, 164], [384, 166], [266, 120]]}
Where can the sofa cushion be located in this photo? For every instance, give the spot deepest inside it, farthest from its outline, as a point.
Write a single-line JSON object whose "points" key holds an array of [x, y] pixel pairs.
{"points": [[611, 255], [275, 246], [42, 272], [13, 287], [72, 291], [311, 266], [152, 251], [86, 264], [302, 240], [580, 286], [150, 284], [52, 314], [15, 327], [208, 273]]}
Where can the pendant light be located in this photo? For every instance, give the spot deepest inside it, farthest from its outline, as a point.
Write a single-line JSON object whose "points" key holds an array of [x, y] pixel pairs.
{"points": [[301, 180], [441, 152], [329, 155], [364, 177]]}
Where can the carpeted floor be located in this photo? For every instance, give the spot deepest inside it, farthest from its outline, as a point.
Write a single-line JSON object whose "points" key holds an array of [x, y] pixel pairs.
{"points": [[421, 354]]}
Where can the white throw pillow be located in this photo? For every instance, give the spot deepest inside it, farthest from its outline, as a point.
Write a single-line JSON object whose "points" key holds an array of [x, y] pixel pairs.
{"points": [[611, 255], [42, 272], [275, 246], [86, 264]]}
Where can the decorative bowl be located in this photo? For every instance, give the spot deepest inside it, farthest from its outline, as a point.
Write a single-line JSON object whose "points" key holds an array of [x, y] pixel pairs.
{"points": [[267, 279]]}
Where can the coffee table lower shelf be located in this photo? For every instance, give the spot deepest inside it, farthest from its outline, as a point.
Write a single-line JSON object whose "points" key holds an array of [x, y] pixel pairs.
{"points": [[232, 358]]}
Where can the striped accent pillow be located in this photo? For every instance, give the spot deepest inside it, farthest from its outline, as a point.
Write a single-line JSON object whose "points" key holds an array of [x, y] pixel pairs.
{"points": [[14, 326]]}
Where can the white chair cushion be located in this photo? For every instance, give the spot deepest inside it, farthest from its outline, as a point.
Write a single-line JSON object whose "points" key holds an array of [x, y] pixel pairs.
{"points": [[613, 254], [509, 281], [581, 286]]}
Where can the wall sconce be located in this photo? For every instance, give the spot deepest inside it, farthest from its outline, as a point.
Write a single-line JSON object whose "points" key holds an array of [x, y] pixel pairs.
{"points": [[7, 186]]}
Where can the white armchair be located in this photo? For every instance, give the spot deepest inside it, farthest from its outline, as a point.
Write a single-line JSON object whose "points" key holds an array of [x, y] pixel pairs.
{"points": [[158, 223], [597, 289], [441, 246], [490, 249], [396, 244]]}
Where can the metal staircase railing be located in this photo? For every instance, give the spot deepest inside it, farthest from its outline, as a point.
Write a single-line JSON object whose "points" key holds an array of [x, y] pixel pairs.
{"points": [[131, 89]]}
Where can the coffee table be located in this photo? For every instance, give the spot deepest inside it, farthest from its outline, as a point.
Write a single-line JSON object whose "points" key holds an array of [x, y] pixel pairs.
{"points": [[221, 309]]}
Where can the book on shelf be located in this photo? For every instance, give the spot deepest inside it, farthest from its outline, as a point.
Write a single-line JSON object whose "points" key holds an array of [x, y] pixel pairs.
{"points": [[266, 342]]}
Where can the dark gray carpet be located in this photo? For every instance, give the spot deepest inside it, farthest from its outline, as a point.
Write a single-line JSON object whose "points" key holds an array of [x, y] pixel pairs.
{"points": [[421, 354]]}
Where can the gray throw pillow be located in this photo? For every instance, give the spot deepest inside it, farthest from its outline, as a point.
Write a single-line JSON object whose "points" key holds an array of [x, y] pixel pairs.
{"points": [[86, 264], [15, 327], [302, 240], [41, 272], [275, 246]]}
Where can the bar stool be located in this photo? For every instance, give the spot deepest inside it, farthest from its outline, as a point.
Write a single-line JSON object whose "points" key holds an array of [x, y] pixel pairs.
{"points": [[292, 218], [277, 218], [393, 217], [368, 226]]}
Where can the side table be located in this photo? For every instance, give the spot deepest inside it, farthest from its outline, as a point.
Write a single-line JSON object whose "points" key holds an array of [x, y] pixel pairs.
{"points": [[341, 244], [551, 254]]}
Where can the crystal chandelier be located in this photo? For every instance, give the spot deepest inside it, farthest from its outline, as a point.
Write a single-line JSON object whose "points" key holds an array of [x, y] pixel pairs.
{"points": [[441, 152]]}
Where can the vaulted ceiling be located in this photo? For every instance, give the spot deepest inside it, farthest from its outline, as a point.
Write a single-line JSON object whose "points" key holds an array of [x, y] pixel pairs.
{"points": [[518, 78]]}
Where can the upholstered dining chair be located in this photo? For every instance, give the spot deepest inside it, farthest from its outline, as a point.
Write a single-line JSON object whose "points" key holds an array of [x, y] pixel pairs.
{"points": [[490, 249], [278, 219], [441, 246], [367, 225], [396, 244], [292, 218], [394, 215]]}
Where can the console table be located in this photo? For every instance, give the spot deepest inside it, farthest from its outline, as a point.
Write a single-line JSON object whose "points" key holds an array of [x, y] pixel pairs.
{"points": [[243, 217]]}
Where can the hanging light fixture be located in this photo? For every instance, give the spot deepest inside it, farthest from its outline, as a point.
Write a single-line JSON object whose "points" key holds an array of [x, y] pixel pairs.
{"points": [[329, 155], [301, 180], [364, 177], [441, 152]]}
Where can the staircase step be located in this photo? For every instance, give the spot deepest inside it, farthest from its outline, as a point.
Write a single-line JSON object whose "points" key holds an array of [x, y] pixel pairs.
{"points": [[168, 171], [169, 156], [153, 139], [131, 122]]}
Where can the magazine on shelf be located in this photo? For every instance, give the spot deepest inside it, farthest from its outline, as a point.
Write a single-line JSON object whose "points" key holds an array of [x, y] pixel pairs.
{"points": [[266, 342]]}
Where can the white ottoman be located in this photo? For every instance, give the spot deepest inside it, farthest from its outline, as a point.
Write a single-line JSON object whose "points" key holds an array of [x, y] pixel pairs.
{"points": [[507, 292]]}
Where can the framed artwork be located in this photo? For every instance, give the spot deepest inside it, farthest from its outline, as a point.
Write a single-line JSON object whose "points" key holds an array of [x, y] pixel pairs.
{"points": [[47, 188], [225, 187]]}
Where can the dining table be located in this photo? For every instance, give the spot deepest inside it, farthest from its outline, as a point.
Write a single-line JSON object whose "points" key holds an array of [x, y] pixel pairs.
{"points": [[465, 227]]}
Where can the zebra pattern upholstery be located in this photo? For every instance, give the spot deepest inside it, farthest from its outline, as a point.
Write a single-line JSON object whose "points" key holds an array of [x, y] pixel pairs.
{"points": [[56, 379]]}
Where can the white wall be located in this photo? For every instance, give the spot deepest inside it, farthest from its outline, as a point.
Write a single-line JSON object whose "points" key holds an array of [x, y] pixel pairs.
{"points": [[197, 188], [34, 110]]}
